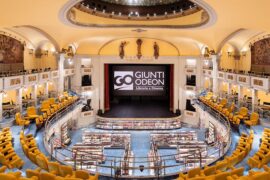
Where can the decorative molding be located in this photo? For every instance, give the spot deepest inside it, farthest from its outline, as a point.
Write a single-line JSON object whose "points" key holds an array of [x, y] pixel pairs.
{"points": [[64, 17]]}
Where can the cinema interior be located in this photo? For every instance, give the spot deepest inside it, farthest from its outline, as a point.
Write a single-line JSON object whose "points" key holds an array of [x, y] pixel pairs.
{"points": [[134, 89]]}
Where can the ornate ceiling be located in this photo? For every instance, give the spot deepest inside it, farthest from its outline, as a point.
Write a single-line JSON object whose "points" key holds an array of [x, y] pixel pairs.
{"points": [[50, 17]]}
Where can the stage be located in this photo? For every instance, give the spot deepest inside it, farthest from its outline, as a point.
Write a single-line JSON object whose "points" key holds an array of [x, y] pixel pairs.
{"points": [[141, 108]]}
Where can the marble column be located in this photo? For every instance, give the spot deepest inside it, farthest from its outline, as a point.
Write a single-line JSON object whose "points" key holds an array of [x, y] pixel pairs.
{"points": [[19, 93], [61, 73]]}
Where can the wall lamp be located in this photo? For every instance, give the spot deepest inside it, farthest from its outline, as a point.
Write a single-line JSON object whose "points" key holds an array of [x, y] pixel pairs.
{"points": [[230, 54], [244, 53]]}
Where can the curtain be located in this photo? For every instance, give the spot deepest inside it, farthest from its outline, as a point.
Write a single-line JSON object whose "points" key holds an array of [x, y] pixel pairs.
{"points": [[107, 87], [171, 87]]}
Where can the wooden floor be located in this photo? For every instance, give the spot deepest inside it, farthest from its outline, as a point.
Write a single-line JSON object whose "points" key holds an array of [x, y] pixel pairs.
{"points": [[139, 109]]}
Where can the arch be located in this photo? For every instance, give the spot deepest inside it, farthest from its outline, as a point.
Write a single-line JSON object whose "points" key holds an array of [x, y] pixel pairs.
{"points": [[18, 36], [230, 36], [45, 34]]}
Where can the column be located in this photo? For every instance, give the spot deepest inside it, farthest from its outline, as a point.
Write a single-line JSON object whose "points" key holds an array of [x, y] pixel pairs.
{"points": [[34, 94], [254, 95], [76, 82], [215, 73], [229, 90], [46, 89], [240, 88], [61, 74], [19, 98], [1, 108]]}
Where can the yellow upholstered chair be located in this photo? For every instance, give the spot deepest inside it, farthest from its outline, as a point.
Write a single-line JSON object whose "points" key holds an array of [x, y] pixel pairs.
{"points": [[243, 113], [226, 111], [12, 161], [253, 120], [31, 113], [81, 174], [33, 173], [4, 176], [46, 108], [42, 162], [222, 104], [20, 121], [208, 170], [47, 176], [3, 169], [54, 168], [66, 171]]}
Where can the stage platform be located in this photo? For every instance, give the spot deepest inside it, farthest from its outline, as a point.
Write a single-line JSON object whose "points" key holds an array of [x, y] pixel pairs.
{"points": [[139, 109]]}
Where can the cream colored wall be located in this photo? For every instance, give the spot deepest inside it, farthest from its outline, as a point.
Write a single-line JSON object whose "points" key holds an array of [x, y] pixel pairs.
{"points": [[227, 62], [165, 48], [51, 86], [246, 91], [207, 83], [187, 47], [31, 62], [41, 89], [235, 88], [263, 96], [27, 91], [10, 95], [224, 87]]}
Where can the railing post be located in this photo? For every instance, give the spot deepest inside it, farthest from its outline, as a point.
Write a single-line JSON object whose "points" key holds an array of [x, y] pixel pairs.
{"points": [[111, 168], [51, 150], [75, 160], [200, 154], [164, 167]]}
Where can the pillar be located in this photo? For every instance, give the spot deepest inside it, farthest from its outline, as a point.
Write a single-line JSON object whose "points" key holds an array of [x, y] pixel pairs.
{"points": [[61, 73], [19, 98], [46, 89], [76, 82], [229, 90], [34, 94], [215, 74], [254, 95], [1, 108], [240, 88]]}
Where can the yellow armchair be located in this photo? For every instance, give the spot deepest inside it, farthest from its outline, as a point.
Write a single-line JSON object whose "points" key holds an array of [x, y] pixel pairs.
{"points": [[254, 119], [20, 121], [31, 113]]}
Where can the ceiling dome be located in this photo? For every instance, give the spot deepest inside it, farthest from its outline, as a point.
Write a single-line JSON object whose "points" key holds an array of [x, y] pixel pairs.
{"points": [[138, 9]]}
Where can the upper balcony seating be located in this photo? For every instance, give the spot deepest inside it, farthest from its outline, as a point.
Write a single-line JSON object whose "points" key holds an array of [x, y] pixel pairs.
{"points": [[48, 108], [253, 120], [242, 114], [235, 118], [227, 111], [20, 120], [31, 113], [262, 156]]}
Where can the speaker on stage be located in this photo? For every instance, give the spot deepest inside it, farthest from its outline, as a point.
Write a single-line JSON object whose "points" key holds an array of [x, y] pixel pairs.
{"points": [[178, 112]]}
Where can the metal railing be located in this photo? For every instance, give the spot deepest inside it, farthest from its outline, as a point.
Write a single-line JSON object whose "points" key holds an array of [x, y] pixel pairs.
{"points": [[114, 164]]}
